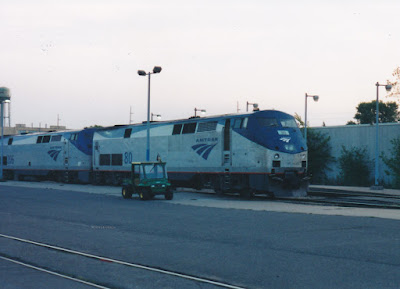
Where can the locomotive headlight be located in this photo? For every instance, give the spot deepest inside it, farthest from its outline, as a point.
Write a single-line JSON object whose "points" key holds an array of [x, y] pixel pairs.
{"points": [[276, 156], [303, 157]]}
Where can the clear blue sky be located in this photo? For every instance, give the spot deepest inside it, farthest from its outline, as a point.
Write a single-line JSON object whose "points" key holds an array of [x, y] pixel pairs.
{"points": [[79, 59]]}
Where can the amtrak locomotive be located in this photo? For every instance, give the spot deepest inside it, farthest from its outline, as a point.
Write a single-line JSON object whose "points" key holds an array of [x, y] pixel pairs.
{"points": [[259, 152], [60, 156]]}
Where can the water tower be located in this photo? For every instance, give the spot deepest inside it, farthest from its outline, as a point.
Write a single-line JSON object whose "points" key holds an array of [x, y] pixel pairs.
{"points": [[4, 96]]}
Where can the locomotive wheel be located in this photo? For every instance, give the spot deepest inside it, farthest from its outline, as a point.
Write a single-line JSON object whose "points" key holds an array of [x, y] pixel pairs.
{"points": [[126, 194], [246, 194], [219, 192]]}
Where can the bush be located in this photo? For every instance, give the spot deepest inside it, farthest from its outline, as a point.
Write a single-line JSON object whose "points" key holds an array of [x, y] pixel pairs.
{"points": [[393, 163], [354, 167]]}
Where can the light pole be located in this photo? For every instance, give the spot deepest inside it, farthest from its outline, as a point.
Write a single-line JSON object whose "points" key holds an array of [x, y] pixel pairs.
{"points": [[156, 69], [158, 116], [315, 97], [4, 96], [255, 106], [388, 87], [198, 109]]}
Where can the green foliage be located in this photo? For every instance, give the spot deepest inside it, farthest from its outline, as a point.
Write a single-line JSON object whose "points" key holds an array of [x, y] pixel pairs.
{"points": [[319, 155], [393, 163], [354, 167], [299, 120], [366, 112]]}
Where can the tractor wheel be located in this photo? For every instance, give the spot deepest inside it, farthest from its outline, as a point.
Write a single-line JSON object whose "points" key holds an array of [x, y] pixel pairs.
{"points": [[169, 195], [144, 196], [126, 194]]}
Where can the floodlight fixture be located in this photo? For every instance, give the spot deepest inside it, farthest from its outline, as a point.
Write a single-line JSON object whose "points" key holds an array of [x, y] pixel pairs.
{"points": [[202, 111], [157, 69], [315, 98]]}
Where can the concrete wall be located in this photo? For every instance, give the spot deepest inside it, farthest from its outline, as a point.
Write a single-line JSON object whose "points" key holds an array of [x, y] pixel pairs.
{"points": [[361, 136]]}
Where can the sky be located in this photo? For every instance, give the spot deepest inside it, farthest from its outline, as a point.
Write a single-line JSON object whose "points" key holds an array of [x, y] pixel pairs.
{"points": [[78, 60]]}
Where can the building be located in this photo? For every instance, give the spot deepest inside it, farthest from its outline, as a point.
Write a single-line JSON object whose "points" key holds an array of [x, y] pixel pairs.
{"points": [[22, 129]]}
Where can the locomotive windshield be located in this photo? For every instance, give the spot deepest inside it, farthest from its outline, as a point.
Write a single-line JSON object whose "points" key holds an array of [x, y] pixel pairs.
{"points": [[267, 121], [289, 122], [273, 122]]}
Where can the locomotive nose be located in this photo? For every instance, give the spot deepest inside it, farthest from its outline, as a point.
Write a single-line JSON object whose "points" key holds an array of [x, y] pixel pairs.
{"points": [[291, 180]]}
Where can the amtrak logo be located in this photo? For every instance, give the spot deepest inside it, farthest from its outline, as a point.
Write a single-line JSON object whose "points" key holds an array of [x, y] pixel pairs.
{"points": [[54, 153], [203, 150], [285, 139]]}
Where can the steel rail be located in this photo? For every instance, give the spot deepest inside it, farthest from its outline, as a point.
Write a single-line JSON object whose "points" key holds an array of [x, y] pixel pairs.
{"points": [[120, 262], [54, 273]]}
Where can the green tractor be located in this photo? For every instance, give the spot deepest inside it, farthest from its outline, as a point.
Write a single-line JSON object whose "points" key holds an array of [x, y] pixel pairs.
{"points": [[147, 180]]}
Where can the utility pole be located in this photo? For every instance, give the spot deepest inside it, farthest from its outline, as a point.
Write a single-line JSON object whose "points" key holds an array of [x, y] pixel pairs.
{"points": [[58, 121], [130, 114]]}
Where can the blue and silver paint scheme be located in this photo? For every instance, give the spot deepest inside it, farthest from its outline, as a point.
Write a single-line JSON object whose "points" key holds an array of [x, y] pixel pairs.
{"points": [[62, 156], [261, 152]]}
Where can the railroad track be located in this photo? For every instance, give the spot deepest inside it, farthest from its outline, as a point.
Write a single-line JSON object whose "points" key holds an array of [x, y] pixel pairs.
{"points": [[332, 197], [349, 199], [62, 272]]}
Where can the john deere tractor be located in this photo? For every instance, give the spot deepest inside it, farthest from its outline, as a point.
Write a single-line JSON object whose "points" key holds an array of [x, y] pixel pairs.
{"points": [[147, 180]]}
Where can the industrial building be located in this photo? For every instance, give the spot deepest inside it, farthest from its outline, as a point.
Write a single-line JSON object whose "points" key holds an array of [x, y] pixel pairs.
{"points": [[23, 129]]}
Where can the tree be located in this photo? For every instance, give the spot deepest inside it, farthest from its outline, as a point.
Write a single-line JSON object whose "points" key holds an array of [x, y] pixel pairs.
{"points": [[366, 112], [298, 119], [395, 92], [319, 155]]}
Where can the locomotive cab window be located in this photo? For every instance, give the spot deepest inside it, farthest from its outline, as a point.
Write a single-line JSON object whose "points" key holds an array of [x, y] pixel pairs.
{"points": [[127, 133], [56, 138], [288, 123], [267, 121], [244, 123], [73, 136], [46, 139], [39, 139], [177, 129], [189, 127], [238, 123], [10, 141]]}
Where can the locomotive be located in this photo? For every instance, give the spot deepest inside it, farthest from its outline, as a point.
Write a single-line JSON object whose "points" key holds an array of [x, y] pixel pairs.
{"points": [[261, 152]]}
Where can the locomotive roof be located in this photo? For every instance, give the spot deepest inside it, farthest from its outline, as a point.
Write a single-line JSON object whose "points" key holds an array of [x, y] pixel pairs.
{"points": [[190, 119], [52, 132]]}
